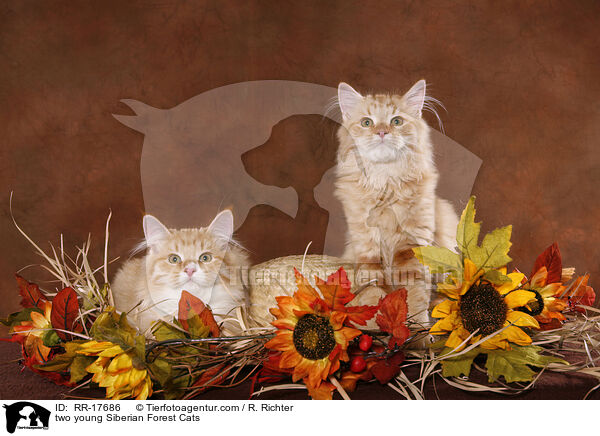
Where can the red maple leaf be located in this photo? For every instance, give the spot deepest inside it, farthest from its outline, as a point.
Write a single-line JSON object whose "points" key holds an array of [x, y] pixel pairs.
{"points": [[336, 293], [190, 306], [32, 297], [392, 317], [552, 260]]}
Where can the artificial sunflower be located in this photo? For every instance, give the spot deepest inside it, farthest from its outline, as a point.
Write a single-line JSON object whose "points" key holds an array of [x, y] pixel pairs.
{"points": [[115, 371], [476, 305], [312, 336], [33, 331]]}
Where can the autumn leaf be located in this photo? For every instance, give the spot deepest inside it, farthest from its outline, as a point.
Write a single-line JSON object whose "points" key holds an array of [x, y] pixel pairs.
{"points": [[392, 317], [336, 294], [386, 369], [552, 260], [30, 293], [514, 365], [493, 251], [65, 310], [213, 376], [165, 332], [458, 365], [580, 293], [438, 259], [467, 232], [496, 277], [336, 289], [193, 312]]}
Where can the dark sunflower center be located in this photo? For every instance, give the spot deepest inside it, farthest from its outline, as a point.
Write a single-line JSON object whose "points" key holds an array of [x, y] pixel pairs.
{"points": [[483, 308], [533, 308], [313, 337]]}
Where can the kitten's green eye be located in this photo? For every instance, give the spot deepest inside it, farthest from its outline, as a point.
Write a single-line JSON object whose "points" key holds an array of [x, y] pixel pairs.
{"points": [[206, 257], [396, 121], [173, 258], [366, 122]]}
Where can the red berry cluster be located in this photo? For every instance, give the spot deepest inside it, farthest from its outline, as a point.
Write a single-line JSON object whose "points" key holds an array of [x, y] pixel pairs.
{"points": [[358, 363]]}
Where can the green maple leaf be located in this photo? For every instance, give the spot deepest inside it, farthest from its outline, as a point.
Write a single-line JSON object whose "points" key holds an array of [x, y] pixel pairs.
{"points": [[496, 277], [493, 251], [467, 232], [75, 363], [161, 369], [165, 332], [459, 365], [514, 365], [50, 338], [17, 317], [438, 259], [77, 368]]}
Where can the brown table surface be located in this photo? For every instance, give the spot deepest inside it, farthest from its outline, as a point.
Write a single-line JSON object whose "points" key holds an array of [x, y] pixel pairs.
{"points": [[17, 383]]}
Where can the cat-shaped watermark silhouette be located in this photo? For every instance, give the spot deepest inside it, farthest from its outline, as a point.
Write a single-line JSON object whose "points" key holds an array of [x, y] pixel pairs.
{"points": [[195, 160]]}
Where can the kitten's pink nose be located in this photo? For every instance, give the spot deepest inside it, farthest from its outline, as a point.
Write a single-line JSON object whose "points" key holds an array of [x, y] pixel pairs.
{"points": [[382, 133], [190, 271]]}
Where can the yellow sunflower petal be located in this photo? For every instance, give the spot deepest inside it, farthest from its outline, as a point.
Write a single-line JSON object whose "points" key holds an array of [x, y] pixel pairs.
{"points": [[146, 390], [457, 337], [302, 370], [343, 336], [98, 365], [451, 291], [445, 324], [119, 364], [518, 298], [136, 377], [516, 335], [283, 341], [515, 281], [285, 323], [521, 319], [94, 347], [289, 359], [318, 372], [444, 309], [470, 270], [495, 342]]}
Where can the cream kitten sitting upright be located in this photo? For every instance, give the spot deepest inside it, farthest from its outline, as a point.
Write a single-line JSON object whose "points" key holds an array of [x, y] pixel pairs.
{"points": [[386, 181], [202, 261]]}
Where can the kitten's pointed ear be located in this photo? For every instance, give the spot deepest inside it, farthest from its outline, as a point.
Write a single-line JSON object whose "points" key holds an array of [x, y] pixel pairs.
{"points": [[348, 99], [222, 225], [154, 230], [415, 98]]}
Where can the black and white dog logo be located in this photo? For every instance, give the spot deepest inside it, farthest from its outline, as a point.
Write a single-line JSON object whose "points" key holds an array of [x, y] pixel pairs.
{"points": [[26, 415]]}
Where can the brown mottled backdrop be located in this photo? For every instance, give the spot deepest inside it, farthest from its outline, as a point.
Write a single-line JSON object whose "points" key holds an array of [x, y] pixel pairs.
{"points": [[520, 81]]}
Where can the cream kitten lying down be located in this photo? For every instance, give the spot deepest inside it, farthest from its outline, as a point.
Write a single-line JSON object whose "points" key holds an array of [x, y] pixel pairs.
{"points": [[204, 262]]}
